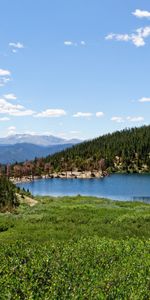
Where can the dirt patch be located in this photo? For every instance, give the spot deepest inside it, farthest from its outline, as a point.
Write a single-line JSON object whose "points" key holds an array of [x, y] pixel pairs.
{"points": [[27, 200]]}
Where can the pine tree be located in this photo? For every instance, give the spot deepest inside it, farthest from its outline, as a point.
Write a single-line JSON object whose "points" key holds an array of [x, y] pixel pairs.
{"points": [[8, 199]]}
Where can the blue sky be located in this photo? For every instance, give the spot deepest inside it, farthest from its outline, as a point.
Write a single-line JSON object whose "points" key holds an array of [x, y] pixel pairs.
{"points": [[76, 68]]}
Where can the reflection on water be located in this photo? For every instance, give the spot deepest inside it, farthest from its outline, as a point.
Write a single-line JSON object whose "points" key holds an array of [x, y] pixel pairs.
{"points": [[133, 187]]}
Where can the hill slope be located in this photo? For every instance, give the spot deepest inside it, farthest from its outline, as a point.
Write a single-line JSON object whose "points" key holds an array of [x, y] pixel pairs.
{"points": [[124, 151]]}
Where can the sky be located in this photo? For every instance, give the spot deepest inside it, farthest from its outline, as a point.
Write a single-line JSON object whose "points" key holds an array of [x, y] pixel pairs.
{"points": [[74, 68]]}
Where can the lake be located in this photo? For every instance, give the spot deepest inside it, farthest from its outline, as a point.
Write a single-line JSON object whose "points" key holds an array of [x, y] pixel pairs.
{"points": [[116, 187]]}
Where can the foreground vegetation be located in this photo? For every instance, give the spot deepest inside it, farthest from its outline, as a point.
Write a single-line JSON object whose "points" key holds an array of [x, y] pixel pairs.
{"points": [[75, 248]]}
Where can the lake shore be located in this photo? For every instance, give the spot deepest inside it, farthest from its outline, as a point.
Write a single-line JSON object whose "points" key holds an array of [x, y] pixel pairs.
{"points": [[61, 175], [69, 175]]}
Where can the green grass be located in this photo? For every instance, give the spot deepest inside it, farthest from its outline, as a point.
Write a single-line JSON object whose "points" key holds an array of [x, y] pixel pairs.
{"points": [[76, 248]]}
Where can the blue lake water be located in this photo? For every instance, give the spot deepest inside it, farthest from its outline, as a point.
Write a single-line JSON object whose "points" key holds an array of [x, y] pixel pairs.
{"points": [[116, 187]]}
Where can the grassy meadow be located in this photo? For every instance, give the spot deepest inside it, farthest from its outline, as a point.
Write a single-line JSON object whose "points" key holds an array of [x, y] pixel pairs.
{"points": [[75, 248]]}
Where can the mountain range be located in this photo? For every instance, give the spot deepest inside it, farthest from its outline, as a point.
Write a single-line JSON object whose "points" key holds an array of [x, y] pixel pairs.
{"points": [[41, 140], [21, 147]]}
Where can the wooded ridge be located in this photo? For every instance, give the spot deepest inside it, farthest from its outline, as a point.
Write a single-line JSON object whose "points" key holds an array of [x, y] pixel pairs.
{"points": [[126, 151]]}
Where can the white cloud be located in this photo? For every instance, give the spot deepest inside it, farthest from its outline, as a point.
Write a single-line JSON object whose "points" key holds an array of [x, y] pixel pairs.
{"points": [[51, 113], [71, 43], [10, 97], [4, 119], [17, 45], [83, 43], [4, 72], [117, 119], [135, 119], [144, 31], [68, 43], [141, 13], [4, 76], [129, 119], [138, 41], [82, 115], [118, 37], [144, 99], [14, 109], [99, 114], [137, 38]]}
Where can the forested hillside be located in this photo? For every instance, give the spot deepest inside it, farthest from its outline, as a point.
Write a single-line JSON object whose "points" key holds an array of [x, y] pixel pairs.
{"points": [[125, 151], [122, 151]]}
